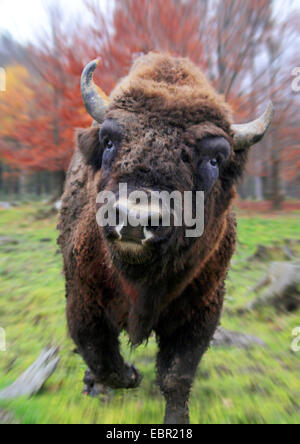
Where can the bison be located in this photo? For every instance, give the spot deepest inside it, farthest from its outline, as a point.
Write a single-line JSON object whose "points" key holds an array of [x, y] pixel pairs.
{"points": [[164, 128]]}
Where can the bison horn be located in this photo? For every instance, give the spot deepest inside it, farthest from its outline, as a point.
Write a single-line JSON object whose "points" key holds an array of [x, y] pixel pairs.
{"points": [[251, 133], [94, 99]]}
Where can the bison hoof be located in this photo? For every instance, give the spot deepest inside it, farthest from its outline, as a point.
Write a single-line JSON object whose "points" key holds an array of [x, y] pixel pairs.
{"points": [[93, 388], [129, 379], [135, 376]]}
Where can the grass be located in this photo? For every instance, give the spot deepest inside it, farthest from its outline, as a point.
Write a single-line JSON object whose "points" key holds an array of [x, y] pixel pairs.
{"points": [[232, 386]]}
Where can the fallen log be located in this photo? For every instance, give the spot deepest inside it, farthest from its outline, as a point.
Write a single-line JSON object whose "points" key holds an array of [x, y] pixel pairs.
{"points": [[227, 338], [283, 287], [6, 418], [33, 379]]}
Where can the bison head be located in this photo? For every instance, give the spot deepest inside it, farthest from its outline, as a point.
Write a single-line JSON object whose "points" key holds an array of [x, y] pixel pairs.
{"points": [[164, 130]]}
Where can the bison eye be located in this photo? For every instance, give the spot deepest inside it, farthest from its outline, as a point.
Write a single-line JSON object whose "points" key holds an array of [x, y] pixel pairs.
{"points": [[108, 144], [109, 152], [110, 137], [214, 162]]}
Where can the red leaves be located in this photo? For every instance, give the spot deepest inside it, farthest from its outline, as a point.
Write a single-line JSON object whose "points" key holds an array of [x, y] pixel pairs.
{"points": [[230, 41]]}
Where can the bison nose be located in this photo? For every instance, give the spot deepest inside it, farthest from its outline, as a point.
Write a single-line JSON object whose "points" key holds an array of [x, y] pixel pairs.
{"points": [[139, 224]]}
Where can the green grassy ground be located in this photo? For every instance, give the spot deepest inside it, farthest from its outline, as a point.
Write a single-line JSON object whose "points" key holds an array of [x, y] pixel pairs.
{"points": [[232, 386]]}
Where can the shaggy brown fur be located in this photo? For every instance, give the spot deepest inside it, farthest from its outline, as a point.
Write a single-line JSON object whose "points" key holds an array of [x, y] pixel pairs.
{"points": [[163, 110]]}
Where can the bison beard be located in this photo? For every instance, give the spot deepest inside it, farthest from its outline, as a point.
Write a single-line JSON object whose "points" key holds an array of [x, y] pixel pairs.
{"points": [[165, 129], [144, 314]]}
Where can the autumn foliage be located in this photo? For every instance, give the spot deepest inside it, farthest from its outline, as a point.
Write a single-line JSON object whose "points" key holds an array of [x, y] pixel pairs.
{"points": [[243, 47], [40, 114]]}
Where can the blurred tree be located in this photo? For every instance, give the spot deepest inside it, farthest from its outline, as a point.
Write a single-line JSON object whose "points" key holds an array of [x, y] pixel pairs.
{"points": [[140, 26], [246, 51], [14, 102], [44, 139], [237, 30], [14, 108], [284, 150]]}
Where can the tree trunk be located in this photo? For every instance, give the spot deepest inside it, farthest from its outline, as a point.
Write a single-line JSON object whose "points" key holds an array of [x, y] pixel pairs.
{"points": [[277, 192], [38, 184], [24, 183], [59, 178], [258, 185]]}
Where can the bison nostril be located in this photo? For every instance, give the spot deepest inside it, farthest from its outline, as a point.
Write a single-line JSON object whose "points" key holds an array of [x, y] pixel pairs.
{"points": [[147, 235], [153, 229], [156, 231], [112, 233]]}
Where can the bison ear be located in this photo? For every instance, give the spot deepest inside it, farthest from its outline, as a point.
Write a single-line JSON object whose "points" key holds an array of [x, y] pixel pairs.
{"points": [[89, 145]]}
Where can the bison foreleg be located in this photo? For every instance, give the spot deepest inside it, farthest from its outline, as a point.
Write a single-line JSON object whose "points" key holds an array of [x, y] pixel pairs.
{"points": [[97, 341], [177, 362]]}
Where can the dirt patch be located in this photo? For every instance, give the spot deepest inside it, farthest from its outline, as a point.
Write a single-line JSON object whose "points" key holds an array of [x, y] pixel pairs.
{"points": [[7, 241], [266, 206]]}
